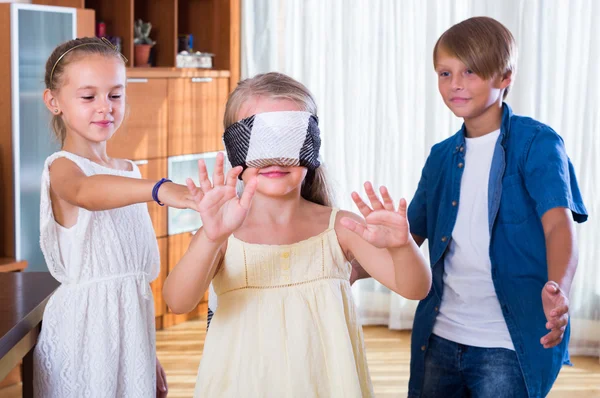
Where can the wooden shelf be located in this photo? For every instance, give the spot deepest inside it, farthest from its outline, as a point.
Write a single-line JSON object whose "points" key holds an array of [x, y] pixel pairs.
{"points": [[216, 32], [162, 14], [118, 17], [175, 72], [214, 24]]}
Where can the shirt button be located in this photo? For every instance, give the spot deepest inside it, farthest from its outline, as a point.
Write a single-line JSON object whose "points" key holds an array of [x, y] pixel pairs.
{"points": [[462, 149], [436, 309], [460, 165], [285, 255], [423, 348], [454, 203], [444, 238]]}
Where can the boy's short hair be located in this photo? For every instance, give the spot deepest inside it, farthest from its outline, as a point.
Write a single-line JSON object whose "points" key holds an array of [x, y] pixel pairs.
{"points": [[483, 44]]}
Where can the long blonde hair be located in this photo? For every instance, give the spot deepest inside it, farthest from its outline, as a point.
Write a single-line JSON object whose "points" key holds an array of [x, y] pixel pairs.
{"points": [[279, 86]]}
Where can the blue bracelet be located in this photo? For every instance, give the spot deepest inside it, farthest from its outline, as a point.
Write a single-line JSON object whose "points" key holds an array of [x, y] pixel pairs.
{"points": [[155, 190]]}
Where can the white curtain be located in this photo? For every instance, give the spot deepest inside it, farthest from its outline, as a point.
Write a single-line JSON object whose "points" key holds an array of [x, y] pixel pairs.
{"points": [[369, 64]]}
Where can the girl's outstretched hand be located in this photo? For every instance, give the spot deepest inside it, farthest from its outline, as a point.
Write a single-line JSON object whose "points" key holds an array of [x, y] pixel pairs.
{"points": [[221, 210], [385, 226], [176, 196]]}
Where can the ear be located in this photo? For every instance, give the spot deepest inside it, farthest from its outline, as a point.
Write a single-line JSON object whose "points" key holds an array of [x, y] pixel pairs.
{"points": [[506, 80], [51, 102]]}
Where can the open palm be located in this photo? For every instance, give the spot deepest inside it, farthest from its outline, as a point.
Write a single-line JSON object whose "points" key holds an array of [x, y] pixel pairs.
{"points": [[385, 227], [221, 210]]}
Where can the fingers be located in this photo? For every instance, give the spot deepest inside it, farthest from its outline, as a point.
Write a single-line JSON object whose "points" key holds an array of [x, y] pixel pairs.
{"points": [[560, 311], [388, 203], [375, 202], [232, 176], [196, 192], [362, 206], [205, 184], [553, 338], [161, 381], [402, 207], [164, 377], [218, 176], [248, 194], [356, 227], [557, 327], [552, 287], [558, 323]]}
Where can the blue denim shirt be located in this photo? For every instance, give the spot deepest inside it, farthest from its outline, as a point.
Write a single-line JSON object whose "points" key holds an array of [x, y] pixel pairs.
{"points": [[530, 174]]}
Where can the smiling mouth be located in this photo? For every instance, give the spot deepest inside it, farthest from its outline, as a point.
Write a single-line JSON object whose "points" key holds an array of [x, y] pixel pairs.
{"points": [[103, 123], [273, 173]]}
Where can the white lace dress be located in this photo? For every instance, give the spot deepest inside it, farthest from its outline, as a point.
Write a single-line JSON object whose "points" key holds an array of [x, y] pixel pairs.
{"points": [[98, 331]]}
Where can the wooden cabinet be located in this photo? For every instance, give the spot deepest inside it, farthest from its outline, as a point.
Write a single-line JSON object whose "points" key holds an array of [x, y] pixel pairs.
{"points": [[160, 307], [172, 111], [196, 108], [143, 134], [177, 246], [155, 169]]}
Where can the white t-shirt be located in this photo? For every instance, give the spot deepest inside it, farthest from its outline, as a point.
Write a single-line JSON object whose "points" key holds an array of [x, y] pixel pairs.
{"points": [[470, 312]]}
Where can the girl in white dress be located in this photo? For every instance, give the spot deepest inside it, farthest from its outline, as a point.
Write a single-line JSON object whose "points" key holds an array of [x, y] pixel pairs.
{"points": [[98, 334]]}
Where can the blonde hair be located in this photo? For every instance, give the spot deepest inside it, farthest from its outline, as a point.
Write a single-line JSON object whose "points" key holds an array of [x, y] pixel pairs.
{"points": [[315, 187], [60, 58], [483, 44]]}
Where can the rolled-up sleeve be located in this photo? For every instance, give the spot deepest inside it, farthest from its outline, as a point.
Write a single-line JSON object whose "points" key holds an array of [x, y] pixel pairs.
{"points": [[550, 177]]}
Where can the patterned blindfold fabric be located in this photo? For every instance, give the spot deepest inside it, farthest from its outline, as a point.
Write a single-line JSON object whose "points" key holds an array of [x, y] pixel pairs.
{"points": [[274, 139]]}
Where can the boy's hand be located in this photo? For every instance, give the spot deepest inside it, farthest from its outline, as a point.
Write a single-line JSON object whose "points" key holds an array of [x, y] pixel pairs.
{"points": [[556, 309]]}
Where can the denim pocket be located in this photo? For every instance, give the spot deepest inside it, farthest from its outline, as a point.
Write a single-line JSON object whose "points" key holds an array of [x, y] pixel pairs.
{"points": [[516, 206]]}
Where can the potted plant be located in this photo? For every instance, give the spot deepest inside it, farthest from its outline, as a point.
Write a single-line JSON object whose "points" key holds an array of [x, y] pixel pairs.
{"points": [[142, 41]]}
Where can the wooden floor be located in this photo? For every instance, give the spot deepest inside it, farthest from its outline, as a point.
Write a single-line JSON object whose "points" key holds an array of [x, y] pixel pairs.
{"points": [[388, 353], [180, 348]]}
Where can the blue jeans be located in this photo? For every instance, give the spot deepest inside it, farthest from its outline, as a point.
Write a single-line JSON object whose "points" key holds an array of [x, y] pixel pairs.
{"points": [[455, 370]]}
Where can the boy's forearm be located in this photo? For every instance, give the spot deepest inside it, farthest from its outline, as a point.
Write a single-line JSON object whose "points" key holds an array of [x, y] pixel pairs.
{"points": [[413, 275], [192, 275], [561, 253]]}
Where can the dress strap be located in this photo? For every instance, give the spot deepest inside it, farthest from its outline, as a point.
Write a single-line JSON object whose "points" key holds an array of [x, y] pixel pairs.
{"points": [[332, 217]]}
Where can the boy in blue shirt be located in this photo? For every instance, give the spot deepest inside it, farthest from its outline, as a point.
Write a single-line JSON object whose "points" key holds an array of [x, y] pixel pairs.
{"points": [[497, 202]]}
